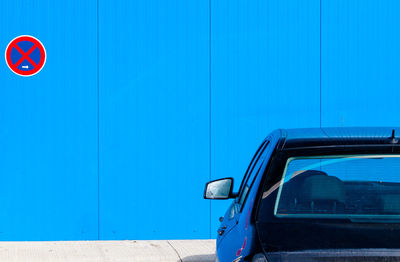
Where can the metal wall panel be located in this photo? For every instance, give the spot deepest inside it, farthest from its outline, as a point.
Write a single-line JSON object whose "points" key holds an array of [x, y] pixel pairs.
{"points": [[360, 62], [265, 75], [187, 91], [154, 119], [48, 125]]}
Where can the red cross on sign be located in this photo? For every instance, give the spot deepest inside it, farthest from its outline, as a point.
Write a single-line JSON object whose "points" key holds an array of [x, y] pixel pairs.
{"points": [[25, 55]]}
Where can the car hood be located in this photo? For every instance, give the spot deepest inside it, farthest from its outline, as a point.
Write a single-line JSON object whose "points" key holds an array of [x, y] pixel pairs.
{"points": [[347, 255]]}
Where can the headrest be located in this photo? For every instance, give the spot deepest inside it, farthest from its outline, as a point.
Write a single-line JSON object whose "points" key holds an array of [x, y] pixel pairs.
{"points": [[322, 188], [291, 189], [391, 203]]}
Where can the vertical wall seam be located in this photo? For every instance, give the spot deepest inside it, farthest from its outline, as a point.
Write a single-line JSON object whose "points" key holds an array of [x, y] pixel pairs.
{"points": [[98, 125], [320, 63], [209, 98]]}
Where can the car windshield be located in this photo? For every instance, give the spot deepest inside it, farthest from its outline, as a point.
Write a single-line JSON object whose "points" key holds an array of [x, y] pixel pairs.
{"points": [[357, 187]]}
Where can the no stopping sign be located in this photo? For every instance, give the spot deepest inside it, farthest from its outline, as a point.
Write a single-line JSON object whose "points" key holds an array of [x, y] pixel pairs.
{"points": [[25, 55]]}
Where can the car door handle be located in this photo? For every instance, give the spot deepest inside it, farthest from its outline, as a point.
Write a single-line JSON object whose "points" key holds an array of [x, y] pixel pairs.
{"points": [[221, 219], [221, 230]]}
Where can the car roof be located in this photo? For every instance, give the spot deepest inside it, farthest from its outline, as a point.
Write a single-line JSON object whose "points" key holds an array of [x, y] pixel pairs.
{"points": [[331, 136]]}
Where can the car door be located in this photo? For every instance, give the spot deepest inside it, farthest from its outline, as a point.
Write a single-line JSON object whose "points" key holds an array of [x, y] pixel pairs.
{"points": [[230, 237]]}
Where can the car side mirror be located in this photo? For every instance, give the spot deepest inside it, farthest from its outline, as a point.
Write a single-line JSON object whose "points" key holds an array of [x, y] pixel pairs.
{"points": [[219, 189]]}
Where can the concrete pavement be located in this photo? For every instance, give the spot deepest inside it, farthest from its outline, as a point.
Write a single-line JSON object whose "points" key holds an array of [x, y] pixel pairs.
{"points": [[109, 251]]}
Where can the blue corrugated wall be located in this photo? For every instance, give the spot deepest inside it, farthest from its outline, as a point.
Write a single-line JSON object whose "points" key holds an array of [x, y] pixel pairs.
{"points": [[142, 102]]}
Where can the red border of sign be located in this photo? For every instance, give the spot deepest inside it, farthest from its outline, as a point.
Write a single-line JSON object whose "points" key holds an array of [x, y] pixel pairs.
{"points": [[41, 49]]}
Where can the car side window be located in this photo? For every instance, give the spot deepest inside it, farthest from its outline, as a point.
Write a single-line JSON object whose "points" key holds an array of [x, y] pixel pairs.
{"points": [[251, 173], [249, 168]]}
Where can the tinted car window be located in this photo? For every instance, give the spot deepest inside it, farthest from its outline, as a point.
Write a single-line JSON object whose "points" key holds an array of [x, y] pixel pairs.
{"points": [[252, 174], [250, 167], [347, 186]]}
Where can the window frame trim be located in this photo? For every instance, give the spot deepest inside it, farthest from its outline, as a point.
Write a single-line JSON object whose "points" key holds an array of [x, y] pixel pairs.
{"points": [[258, 155]]}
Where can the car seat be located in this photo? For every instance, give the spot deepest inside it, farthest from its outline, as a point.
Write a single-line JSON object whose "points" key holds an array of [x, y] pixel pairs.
{"points": [[321, 194]]}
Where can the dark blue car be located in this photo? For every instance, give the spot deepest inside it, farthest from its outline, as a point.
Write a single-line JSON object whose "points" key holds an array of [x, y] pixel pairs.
{"points": [[326, 194]]}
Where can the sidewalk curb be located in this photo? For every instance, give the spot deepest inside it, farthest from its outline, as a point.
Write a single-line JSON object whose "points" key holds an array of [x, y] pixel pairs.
{"points": [[109, 251]]}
